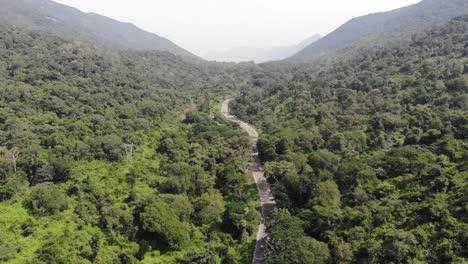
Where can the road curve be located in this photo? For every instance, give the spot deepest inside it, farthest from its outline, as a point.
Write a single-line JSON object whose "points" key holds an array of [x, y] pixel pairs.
{"points": [[266, 198]]}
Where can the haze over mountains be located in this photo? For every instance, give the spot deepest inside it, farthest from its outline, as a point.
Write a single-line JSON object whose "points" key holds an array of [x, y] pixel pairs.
{"points": [[69, 22], [260, 55], [368, 31], [379, 29]]}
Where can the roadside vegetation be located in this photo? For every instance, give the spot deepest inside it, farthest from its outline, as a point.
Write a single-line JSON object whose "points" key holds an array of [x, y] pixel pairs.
{"points": [[367, 158], [68, 191]]}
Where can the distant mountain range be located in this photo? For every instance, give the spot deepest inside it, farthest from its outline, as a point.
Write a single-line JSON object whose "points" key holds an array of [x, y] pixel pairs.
{"points": [[383, 28], [69, 22], [370, 31], [259, 55]]}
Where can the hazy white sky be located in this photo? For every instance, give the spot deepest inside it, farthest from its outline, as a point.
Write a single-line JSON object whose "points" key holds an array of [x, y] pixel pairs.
{"points": [[213, 25]]}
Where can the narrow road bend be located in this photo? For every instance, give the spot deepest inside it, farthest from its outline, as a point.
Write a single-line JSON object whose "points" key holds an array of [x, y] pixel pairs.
{"points": [[266, 198]]}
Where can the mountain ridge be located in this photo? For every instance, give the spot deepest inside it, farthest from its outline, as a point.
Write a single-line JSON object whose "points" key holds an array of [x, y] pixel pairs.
{"points": [[380, 29], [69, 22]]}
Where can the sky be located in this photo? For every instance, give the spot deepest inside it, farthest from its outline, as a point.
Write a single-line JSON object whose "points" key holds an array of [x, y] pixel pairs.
{"points": [[203, 26]]}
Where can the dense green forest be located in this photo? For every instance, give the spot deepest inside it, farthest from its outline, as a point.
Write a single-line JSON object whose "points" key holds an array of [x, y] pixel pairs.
{"points": [[68, 194], [366, 154], [368, 158]]}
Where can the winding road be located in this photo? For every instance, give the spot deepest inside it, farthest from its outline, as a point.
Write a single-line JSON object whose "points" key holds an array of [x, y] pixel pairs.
{"points": [[266, 198]]}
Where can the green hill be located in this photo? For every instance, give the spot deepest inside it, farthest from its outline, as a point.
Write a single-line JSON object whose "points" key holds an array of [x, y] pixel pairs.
{"points": [[386, 28], [68, 22]]}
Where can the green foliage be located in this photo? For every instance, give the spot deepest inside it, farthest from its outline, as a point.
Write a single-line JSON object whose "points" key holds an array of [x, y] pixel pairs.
{"points": [[71, 247], [289, 244], [366, 157], [327, 194], [385, 145], [47, 199], [160, 220], [209, 208], [69, 108]]}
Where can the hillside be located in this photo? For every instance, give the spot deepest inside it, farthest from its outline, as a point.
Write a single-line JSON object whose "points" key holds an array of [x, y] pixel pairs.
{"points": [[69, 193], [381, 29], [260, 55], [367, 158], [111, 150], [68, 22]]}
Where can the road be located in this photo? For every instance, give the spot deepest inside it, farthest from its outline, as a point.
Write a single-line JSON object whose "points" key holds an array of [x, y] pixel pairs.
{"points": [[266, 198]]}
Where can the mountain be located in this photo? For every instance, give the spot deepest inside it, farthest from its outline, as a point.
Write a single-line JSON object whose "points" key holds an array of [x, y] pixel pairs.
{"points": [[381, 28], [260, 55], [69, 22]]}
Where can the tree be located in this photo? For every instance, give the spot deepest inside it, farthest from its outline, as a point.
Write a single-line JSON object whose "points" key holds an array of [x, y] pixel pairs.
{"points": [[343, 253], [13, 155], [181, 205], [43, 174], [324, 159], [159, 219], [287, 183], [46, 199], [289, 244], [76, 246], [327, 194], [209, 208], [181, 177], [118, 218], [399, 246], [111, 146]]}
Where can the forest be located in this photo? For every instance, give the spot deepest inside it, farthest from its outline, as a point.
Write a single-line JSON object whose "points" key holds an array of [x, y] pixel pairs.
{"points": [[368, 157], [366, 154], [69, 193]]}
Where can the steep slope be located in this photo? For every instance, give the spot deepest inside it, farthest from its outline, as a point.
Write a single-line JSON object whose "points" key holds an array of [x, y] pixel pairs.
{"points": [[383, 28], [68, 22], [260, 55]]}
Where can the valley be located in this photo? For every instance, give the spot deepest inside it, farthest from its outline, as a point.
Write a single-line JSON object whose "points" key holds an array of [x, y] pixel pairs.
{"points": [[349, 149]]}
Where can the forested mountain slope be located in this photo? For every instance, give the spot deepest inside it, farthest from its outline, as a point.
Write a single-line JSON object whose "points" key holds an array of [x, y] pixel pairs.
{"points": [[68, 22], [382, 29], [368, 159], [68, 193]]}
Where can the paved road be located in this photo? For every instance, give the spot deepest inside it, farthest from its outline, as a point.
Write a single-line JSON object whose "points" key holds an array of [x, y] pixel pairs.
{"points": [[266, 198]]}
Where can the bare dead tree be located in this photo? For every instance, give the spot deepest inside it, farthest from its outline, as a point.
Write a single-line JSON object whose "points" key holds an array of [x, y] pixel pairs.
{"points": [[13, 155], [129, 151]]}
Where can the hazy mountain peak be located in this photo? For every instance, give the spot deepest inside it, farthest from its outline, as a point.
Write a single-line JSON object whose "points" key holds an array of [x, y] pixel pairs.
{"points": [[309, 40], [259, 55]]}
